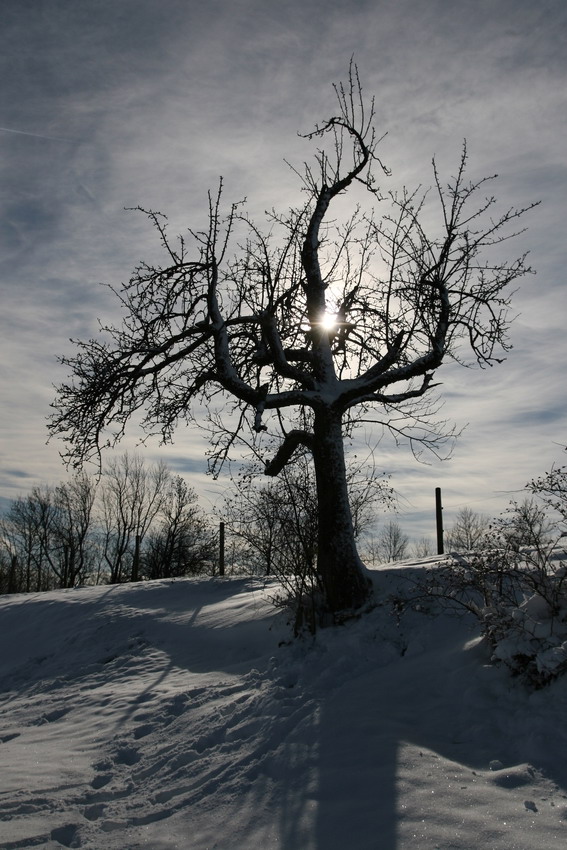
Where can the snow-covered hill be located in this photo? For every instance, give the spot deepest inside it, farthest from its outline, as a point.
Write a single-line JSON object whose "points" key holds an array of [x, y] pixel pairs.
{"points": [[177, 714]]}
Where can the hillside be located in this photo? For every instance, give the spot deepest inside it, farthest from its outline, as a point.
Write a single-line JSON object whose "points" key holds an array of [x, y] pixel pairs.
{"points": [[177, 714]]}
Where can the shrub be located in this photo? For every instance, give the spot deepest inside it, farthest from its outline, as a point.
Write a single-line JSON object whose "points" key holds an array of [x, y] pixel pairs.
{"points": [[515, 583]]}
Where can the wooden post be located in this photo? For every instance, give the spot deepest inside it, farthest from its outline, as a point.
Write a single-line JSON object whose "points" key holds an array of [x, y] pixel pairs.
{"points": [[136, 561], [221, 549], [12, 583], [439, 518]]}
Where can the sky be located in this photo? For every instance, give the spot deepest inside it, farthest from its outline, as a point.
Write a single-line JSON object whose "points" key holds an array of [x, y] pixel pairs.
{"points": [[106, 105]]}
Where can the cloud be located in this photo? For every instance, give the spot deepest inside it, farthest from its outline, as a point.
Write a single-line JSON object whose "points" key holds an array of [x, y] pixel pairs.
{"points": [[34, 135], [158, 100]]}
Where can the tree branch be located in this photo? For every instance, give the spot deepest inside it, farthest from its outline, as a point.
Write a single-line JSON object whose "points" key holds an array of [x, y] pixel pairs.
{"points": [[291, 442]]}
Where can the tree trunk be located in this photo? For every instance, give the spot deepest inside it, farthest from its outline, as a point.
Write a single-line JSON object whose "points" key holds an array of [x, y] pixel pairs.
{"points": [[338, 563]]}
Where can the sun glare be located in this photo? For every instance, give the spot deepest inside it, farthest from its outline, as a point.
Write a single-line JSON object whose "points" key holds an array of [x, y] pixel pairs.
{"points": [[329, 321]]}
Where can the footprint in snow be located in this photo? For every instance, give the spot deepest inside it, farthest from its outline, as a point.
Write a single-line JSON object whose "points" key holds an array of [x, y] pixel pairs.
{"points": [[144, 730], [94, 812], [5, 738], [127, 755], [68, 835], [101, 781]]}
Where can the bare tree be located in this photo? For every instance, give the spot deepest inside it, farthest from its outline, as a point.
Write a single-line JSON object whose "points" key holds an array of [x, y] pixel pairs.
{"points": [[526, 523], [131, 497], [391, 543], [148, 524], [551, 488], [73, 552], [306, 327], [50, 535], [468, 530], [259, 517], [422, 547], [278, 522], [182, 543], [11, 572], [28, 531]]}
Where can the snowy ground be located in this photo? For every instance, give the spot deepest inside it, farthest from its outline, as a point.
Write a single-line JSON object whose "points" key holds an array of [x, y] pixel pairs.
{"points": [[171, 715]]}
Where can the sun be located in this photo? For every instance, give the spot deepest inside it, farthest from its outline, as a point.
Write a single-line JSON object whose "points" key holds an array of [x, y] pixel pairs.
{"points": [[329, 321]]}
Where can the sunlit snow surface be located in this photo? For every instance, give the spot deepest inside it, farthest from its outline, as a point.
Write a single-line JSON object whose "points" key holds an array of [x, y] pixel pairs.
{"points": [[177, 714]]}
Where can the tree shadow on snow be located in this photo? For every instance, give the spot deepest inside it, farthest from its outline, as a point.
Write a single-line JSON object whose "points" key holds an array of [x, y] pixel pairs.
{"points": [[441, 700], [309, 748]]}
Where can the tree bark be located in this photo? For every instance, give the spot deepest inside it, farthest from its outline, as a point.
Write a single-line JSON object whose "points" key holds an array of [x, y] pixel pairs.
{"points": [[342, 572]]}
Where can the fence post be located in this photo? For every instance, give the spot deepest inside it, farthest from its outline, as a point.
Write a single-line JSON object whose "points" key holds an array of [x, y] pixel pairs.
{"points": [[439, 518], [221, 549], [12, 583], [136, 560]]}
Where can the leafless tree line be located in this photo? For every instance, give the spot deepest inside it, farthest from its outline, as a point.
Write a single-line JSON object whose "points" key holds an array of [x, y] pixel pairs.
{"points": [[524, 523], [142, 522], [134, 522]]}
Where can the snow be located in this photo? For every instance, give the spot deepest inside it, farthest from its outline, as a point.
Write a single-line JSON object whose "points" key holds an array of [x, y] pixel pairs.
{"points": [[179, 714]]}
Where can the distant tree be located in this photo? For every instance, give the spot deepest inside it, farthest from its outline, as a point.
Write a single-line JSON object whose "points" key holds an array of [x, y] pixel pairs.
{"points": [[392, 542], [10, 571], [468, 531], [27, 533], [50, 536], [306, 327], [131, 497], [551, 489], [526, 523], [278, 521], [389, 544], [422, 547], [181, 543], [275, 524], [73, 552], [145, 524]]}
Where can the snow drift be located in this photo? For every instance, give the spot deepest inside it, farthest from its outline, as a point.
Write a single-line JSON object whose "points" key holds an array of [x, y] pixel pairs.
{"points": [[178, 714]]}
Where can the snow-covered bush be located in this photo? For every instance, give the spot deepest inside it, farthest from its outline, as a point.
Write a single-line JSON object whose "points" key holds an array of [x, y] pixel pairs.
{"points": [[515, 583], [530, 638]]}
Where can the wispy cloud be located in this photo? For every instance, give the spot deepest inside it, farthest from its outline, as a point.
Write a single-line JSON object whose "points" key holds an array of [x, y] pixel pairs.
{"points": [[34, 135], [154, 102]]}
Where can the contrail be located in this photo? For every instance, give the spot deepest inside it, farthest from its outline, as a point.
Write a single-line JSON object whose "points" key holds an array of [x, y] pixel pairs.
{"points": [[35, 135]]}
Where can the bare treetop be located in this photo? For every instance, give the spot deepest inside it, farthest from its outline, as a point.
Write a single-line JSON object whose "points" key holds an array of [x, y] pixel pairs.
{"points": [[308, 324]]}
